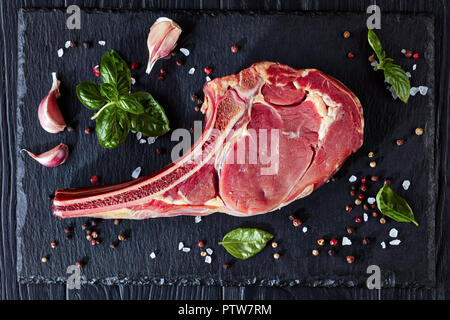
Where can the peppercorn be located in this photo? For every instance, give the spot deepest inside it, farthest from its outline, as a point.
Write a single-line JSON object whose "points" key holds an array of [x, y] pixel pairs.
{"points": [[94, 179], [79, 264], [69, 129], [68, 236], [399, 142], [408, 54], [276, 256], [163, 71], [87, 130], [234, 49], [366, 241], [372, 58], [353, 187], [291, 217], [54, 244], [86, 44], [67, 229], [373, 205], [348, 208], [416, 56], [297, 222], [173, 53], [315, 252], [274, 244], [333, 242], [350, 259], [371, 154], [203, 253], [358, 202], [387, 181], [320, 242], [201, 244], [346, 34], [197, 108], [418, 131], [73, 44], [116, 221], [226, 266], [94, 234], [352, 193], [161, 78], [361, 196], [374, 214], [363, 188], [94, 242], [331, 252], [44, 259], [159, 150], [207, 70], [358, 220], [374, 178], [88, 237], [372, 164], [122, 237], [134, 65], [350, 55], [191, 130], [350, 230], [113, 245], [365, 206], [179, 63], [382, 220], [84, 226]]}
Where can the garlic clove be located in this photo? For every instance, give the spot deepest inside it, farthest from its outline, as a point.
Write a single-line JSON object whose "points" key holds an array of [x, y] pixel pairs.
{"points": [[49, 114], [161, 40], [52, 158]]}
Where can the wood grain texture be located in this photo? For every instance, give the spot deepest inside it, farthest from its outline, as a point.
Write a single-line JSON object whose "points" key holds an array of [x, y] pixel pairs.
{"points": [[9, 287]]}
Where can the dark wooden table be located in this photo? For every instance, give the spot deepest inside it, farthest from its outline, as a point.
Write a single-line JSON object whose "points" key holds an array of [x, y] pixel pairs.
{"points": [[11, 289]]}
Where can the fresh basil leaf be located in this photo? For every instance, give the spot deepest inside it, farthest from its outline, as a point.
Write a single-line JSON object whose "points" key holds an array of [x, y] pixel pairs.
{"points": [[152, 123], [112, 127], [393, 206], [109, 91], [375, 43], [114, 70], [89, 95], [242, 243], [397, 77], [130, 104]]}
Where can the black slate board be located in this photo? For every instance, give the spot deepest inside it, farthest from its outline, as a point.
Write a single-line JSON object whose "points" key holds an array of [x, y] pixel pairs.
{"points": [[297, 39]]}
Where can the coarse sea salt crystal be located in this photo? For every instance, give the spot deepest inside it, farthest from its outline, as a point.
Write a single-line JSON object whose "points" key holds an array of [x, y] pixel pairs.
{"points": [[60, 52], [374, 63], [403, 51], [198, 219], [102, 42], [180, 245], [365, 217], [406, 184], [423, 90], [133, 80], [191, 71], [152, 255], [135, 174], [346, 241], [395, 242], [414, 66], [67, 44], [413, 91], [408, 74], [142, 141], [209, 251], [186, 249], [208, 78], [352, 179], [151, 140], [394, 94], [371, 200], [393, 233], [184, 51], [139, 135], [208, 259], [383, 245], [305, 229]]}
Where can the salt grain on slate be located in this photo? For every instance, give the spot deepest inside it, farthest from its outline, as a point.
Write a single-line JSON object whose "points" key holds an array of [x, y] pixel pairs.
{"points": [[346, 241], [403, 51], [423, 90], [139, 135], [133, 80], [209, 251], [352, 179], [208, 78], [408, 74], [371, 200], [374, 63], [393, 233], [365, 217], [142, 141], [394, 94], [186, 249], [151, 140], [152, 255], [208, 259], [191, 71], [383, 245], [406, 184], [413, 91], [305, 229], [101, 42], [184, 51], [67, 44], [198, 219], [60, 52], [180, 245], [395, 242], [414, 66], [136, 173]]}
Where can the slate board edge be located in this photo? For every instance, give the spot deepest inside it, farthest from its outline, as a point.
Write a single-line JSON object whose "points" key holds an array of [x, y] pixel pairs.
{"points": [[388, 282]]}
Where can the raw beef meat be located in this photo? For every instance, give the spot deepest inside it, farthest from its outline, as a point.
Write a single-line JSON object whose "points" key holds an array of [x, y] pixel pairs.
{"points": [[272, 134]]}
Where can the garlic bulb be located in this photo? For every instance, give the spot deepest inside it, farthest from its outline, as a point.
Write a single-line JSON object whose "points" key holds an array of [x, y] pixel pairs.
{"points": [[49, 114], [52, 158], [161, 40]]}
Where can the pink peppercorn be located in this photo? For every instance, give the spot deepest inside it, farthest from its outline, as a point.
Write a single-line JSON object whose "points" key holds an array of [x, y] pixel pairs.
{"points": [[333, 242], [96, 70], [134, 65], [94, 179], [358, 220], [207, 70], [416, 55]]}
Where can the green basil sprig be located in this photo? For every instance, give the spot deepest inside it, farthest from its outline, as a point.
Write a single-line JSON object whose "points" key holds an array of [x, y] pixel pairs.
{"points": [[118, 110], [393, 74], [394, 206], [242, 243]]}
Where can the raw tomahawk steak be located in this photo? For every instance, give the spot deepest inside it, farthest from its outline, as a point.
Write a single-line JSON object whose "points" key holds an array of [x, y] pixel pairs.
{"points": [[272, 134]]}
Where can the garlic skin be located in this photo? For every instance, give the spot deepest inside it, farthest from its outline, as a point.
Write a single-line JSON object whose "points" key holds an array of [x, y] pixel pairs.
{"points": [[52, 158], [49, 114], [161, 40]]}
